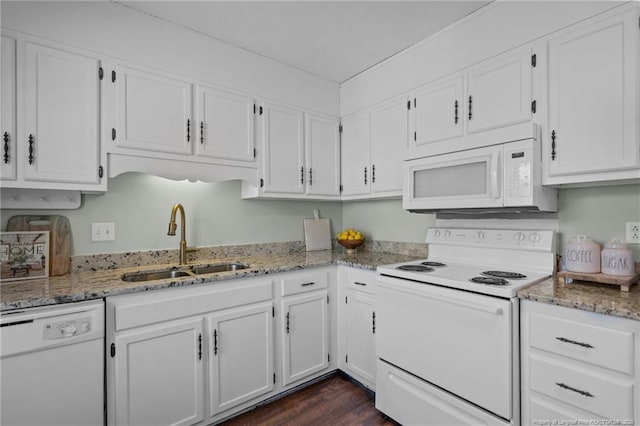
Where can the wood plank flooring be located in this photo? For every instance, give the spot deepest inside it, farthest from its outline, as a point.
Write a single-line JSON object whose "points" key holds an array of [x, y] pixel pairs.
{"points": [[334, 401]]}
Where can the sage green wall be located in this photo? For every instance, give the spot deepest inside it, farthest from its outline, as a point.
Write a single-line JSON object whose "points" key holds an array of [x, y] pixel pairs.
{"points": [[140, 207]]}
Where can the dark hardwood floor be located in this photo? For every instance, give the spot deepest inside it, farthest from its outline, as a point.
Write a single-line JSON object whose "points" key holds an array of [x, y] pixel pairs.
{"points": [[334, 401]]}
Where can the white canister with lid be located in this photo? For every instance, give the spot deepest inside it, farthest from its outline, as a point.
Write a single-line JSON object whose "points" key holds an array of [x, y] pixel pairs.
{"points": [[582, 255], [618, 259]]}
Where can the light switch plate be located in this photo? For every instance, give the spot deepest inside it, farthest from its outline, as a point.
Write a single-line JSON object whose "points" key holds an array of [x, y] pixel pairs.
{"points": [[103, 231]]}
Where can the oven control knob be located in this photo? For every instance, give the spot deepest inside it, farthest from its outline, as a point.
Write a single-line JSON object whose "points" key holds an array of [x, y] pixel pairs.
{"points": [[480, 236], [68, 331], [519, 236], [447, 234], [436, 233], [535, 237]]}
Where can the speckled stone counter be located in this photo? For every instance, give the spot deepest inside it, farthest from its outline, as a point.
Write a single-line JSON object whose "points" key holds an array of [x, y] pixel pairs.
{"points": [[588, 297], [101, 283]]}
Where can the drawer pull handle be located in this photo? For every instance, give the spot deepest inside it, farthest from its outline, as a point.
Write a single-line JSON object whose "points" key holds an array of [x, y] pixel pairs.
{"points": [[362, 284], [573, 342], [307, 284], [583, 393]]}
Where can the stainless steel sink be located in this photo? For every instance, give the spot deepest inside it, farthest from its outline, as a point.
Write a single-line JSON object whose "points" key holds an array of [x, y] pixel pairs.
{"points": [[222, 267], [182, 272], [155, 275]]}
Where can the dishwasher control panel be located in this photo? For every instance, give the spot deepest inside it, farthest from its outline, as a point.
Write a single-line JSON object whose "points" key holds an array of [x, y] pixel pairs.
{"points": [[68, 328]]}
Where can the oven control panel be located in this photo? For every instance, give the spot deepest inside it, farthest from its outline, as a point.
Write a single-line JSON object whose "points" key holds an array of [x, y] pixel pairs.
{"points": [[493, 238]]}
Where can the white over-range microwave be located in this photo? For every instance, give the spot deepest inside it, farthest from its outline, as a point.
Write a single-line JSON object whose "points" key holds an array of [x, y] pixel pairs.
{"points": [[503, 177]]}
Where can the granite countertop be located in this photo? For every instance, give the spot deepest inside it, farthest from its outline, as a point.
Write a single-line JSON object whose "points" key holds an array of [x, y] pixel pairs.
{"points": [[87, 285], [592, 297]]}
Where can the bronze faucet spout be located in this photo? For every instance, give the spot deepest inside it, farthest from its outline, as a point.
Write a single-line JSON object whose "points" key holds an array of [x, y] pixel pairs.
{"points": [[172, 230]]}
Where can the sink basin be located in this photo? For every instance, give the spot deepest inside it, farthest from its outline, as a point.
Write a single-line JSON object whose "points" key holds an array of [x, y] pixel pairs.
{"points": [[176, 273], [222, 267], [156, 275]]}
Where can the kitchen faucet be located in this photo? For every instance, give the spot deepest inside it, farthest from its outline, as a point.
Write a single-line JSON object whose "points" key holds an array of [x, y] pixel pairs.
{"points": [[172, 231]]}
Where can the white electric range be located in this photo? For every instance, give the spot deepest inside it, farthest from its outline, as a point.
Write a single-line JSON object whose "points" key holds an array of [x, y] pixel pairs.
{"points": [[447, 327]]}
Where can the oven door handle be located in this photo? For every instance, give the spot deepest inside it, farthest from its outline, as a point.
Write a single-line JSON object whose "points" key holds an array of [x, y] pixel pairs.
{"points": [[495, 310]]}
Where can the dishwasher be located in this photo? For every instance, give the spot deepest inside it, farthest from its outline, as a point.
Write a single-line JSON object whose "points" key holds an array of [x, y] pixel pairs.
{"points": [[52, 365]]}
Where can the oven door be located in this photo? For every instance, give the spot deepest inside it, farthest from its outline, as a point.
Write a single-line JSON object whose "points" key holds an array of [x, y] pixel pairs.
{"points": [[466, 179], [459, 341]]}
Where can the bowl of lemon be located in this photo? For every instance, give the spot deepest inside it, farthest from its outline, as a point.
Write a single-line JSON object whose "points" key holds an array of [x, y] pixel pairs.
{"points": [[350, 239]]}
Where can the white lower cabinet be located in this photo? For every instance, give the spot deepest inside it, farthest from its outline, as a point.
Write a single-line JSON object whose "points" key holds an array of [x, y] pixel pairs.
{"points": [[159, 374], [240, 355], [578, 366], [304, 326], [358, 324]]}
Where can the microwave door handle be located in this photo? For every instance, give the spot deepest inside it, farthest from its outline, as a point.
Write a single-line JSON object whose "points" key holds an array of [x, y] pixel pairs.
{"points": [[494, 172]]}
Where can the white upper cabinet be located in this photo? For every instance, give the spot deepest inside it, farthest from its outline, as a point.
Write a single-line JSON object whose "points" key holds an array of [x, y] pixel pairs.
{"points": [[8, 170], [322, 155], [153, 112], [54, 140], [593, 102], [282, 134], [373, 146], [225, 125], [479, 106]]}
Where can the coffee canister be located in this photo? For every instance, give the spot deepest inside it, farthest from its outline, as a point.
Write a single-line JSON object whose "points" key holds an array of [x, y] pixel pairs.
{"points": [[582, 255], [617, 259]]}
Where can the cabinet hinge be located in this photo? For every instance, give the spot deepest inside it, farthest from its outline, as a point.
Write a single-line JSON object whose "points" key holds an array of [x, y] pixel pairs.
{"points": [[273, 311], [415, 136], [340, 128], [100, 172], [534, 60], [113, 350], [533, 107], [346, 300], [113, 134], [113, 76], [409, 105], [100, 73], [327, 299], [254, 153], [260, 109], [415, 102], [254, 108], [341, 188], [274, 378], [346, 358], [261, 183], [328, 357]]}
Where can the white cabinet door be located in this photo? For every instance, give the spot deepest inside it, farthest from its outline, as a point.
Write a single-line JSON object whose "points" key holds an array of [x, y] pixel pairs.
{"points": [[159, 374], [305, 347], [240, 355], [438, 112], [593, 106], [322, 155], [499, 93], [225, 125], [8, 170], [283, 149], [389, 126], [360, 346], [153, 112], [61, 95], [355, 154]]}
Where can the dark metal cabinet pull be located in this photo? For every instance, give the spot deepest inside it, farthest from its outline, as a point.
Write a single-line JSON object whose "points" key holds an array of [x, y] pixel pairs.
{"points": [[202, 133], [188, 130], [373, 173], [287, 322], [365, 175], [31, 157], [470, 110], [199, 346], [573, 342], [310, 176], [455, 112], [373, 323], [215, 342], [5, 138], [307, 284], [359, 283], [581, 392], [553, 145], [301, 175]]}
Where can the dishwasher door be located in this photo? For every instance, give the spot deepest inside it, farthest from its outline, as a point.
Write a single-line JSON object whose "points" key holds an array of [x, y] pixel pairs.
{"points": [[52, 365]]}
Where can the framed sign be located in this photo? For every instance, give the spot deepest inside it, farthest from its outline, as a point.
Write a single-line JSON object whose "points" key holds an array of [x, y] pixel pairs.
{"points": [[24, 255]]}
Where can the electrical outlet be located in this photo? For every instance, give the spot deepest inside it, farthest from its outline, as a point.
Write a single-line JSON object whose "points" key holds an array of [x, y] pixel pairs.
{"points": [[633, 232], [103, 231]]}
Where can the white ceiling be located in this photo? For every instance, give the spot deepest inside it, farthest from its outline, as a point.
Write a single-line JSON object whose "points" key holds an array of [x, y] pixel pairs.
{"points": [[334, 40]]}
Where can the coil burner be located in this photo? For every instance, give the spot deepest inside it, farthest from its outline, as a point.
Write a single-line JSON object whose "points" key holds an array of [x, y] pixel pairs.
{"points": [[415, 268], [429, 263], [504, 274], [489, 280]]}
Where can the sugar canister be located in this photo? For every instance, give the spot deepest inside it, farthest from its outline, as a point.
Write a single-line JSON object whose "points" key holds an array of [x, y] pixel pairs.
{"points": [[617, 259], [582, 255]]}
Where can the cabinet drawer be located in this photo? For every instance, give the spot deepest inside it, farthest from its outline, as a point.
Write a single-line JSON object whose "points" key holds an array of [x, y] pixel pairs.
{"points": [[303, 283], [361, 281], [601, 346], [577, 386]]}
